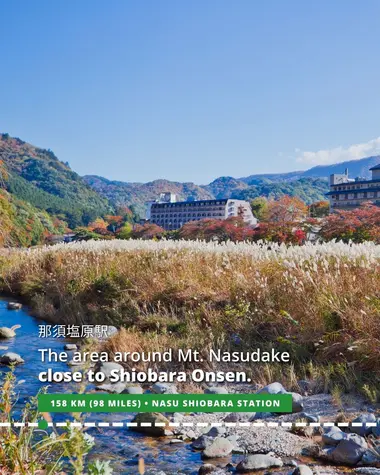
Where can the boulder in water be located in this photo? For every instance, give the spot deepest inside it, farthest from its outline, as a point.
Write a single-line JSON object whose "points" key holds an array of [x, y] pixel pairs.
{"points": [[11, 358], [219, 448], [6, 332], [258, 462], [147, 424], [14, 306], [70, 347]]}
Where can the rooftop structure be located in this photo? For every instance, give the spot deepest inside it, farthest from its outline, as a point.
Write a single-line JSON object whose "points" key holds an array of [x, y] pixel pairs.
{"points": [[346, 193]]}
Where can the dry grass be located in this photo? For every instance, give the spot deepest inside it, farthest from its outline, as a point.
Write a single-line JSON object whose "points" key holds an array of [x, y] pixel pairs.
{"points": [[321, 303]]}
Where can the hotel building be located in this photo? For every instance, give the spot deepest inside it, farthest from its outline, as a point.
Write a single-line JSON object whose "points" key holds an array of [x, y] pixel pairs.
{"points": [[346, 193], [171, 214]]}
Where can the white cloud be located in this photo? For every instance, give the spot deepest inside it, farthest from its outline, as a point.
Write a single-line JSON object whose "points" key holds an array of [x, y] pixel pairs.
{"points": [[340, 154]]}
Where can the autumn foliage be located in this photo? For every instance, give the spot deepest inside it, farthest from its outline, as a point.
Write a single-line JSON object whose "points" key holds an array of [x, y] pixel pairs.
{"points": [[231, 229], [357, 225]]}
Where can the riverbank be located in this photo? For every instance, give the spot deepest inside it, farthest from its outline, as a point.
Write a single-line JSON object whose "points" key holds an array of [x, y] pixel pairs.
{"points": [[182, 449], [319, 303]]}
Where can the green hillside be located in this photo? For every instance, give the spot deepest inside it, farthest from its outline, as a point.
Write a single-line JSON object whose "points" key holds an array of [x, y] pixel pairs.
{"points": [[37, 176], [22, 225], [308, 189]]}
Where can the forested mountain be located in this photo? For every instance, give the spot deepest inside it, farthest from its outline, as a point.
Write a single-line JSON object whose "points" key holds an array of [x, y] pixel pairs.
{"points": [[310, 185], [37, 181], [37, 176], [308, 189], [23, 225], [136, 194]]}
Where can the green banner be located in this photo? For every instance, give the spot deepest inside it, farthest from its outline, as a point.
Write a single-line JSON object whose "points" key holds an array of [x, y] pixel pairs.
{"points": [[165, 403]]}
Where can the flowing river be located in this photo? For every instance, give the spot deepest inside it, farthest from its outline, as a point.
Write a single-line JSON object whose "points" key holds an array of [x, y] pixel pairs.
{"points": [[120, 445]]}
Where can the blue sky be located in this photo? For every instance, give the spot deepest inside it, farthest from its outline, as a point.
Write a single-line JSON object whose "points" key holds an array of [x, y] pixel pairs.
{"points": [[191, 90]]}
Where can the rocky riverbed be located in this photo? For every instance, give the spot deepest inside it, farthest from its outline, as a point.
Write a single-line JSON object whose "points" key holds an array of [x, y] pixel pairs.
{"points": [[304, 442]]}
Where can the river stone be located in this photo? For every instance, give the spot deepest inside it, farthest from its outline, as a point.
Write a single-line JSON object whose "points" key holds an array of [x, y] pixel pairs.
{"points": [[7, 332], [363, 419], [107, 367], [309, 417], [216, 431], [116, 388], [219, 448], [258, 462], [302, 470], [370, 458], [333, 436], [234, 441], [240, 417], [176, 417], [14, 306], [151, 418], [297, 402], [273, 388], [207, 468], [202, 442], [350, 450], [261, 415], [164, 388], [216, 390], [70, 347], [133, 390], [11, 358]]}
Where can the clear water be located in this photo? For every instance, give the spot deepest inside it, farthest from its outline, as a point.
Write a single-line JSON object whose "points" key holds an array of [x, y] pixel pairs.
{"points": [[121, 446]]}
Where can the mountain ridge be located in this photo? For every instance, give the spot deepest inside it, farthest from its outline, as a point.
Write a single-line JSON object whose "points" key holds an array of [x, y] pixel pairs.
{"points": [[309, 185], [36, 176]]}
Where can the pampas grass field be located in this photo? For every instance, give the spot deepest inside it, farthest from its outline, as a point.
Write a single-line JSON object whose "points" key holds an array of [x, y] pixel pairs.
{"points": [[319, 302]]}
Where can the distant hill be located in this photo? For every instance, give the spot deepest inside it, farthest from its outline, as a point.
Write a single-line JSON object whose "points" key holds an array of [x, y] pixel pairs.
{"points": [[37, 180], [308, 189], [225, 186], [37, 176], [356, 168], [310, 185], [136, 194]]}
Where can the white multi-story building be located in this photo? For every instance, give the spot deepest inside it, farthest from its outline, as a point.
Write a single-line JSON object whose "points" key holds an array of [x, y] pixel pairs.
{"points": [[346, 193], [171, 214]]}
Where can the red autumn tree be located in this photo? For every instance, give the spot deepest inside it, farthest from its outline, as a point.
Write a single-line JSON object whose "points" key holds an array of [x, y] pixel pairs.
{"points": [[230, 229], [357, 225], [147, 231], [281, 233]]}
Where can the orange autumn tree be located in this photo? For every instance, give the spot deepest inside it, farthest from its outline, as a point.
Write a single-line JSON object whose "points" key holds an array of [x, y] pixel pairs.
{"points": [[287, 209], [99, 223], [284, 221], [319, 209], [114, 222]]}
